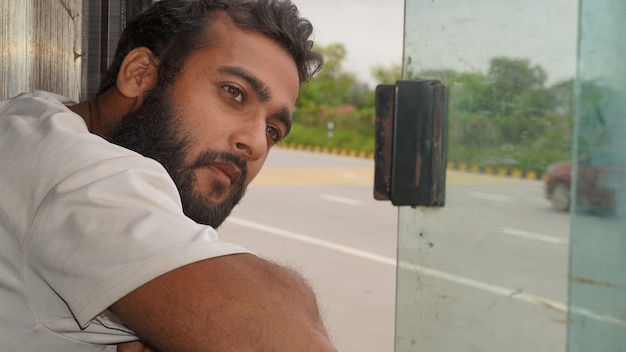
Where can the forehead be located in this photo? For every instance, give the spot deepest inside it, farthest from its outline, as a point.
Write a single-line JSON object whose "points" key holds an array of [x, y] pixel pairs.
{"points": [[230, 45]]}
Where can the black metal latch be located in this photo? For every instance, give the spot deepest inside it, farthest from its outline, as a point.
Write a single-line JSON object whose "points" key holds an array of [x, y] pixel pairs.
{"points": [[410, 156]]}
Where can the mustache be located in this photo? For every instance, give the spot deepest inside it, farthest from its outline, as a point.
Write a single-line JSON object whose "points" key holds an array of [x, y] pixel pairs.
{"points": [[212, 157]]}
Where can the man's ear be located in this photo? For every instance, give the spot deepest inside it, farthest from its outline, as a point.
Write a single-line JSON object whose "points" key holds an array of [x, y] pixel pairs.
{"points": [[138, 74]]}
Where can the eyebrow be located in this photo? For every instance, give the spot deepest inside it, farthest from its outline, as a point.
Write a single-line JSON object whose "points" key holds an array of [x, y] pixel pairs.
{"points": [[261, 90], [284, 116]]}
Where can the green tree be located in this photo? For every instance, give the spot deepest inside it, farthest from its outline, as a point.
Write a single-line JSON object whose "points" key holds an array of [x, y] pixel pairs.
{"points": [[505, 116], [509, 78], [334, 94], [332, 85], [444, 75], [386, 74], [469, 93], [563, 94], [508, 115]]}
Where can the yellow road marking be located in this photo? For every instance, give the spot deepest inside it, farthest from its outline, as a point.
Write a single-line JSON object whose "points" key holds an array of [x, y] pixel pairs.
{"points": [[357, 176]]}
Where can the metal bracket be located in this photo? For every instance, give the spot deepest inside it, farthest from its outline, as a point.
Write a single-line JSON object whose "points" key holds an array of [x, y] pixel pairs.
{"points": [[410, 156]]}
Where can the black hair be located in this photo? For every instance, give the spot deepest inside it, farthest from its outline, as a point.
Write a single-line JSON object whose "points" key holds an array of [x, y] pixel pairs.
{"points": [[174, 29]]}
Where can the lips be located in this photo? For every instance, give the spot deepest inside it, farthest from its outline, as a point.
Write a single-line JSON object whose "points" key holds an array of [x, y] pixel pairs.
{"points": [[227, 172]]}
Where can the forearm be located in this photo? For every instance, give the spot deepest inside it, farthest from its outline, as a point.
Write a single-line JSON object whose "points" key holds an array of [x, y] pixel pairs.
{"points": [[231, 303]]}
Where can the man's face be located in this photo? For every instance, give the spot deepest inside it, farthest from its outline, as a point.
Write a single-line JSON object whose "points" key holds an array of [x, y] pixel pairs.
{"points": [[213, 128]]}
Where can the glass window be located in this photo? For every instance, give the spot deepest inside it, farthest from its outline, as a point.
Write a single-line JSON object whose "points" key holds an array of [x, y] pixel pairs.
{"points": [[489, 271]]}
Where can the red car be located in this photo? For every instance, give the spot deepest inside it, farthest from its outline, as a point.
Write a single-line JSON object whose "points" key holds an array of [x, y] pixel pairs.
{"points": [[557, 185], [599, 177]]}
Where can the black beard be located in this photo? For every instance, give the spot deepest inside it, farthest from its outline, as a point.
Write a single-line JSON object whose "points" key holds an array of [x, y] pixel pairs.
{"points": [[152, 132]]}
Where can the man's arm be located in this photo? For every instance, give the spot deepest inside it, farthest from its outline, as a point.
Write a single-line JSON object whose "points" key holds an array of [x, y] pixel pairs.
{"points": [[134, 346], [231, 303]]}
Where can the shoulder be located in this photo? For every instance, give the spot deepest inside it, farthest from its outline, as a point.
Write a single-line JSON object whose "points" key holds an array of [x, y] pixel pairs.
{"points": [[45, 148], [38, 130]]}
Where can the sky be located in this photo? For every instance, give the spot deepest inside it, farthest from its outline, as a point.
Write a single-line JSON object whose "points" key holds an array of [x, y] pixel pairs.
{"points": [[458, 34], [371, 30]]}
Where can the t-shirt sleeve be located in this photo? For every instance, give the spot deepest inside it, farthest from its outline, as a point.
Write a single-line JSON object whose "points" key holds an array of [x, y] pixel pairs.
{"points": [[110, 227]]}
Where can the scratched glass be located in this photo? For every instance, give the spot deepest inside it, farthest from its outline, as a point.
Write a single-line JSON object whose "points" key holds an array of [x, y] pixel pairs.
{"points": [[597, 310], [489, 271]]}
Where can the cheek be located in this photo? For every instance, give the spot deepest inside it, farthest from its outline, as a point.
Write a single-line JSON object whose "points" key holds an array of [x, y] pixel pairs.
{"points": [[204, 130], [199, 112]]}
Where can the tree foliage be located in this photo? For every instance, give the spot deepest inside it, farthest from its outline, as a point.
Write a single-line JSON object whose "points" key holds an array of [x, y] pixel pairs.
{"points": [[510, 111], [334, 94], [504, 116], [387, 74], [332, 85]]}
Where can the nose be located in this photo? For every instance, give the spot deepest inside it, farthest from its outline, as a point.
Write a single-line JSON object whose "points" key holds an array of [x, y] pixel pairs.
{"points": [[250, 140]]}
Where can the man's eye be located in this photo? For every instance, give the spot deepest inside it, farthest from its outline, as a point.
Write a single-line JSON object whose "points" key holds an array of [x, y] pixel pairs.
{"points": [[274, 133], [234, 92]]}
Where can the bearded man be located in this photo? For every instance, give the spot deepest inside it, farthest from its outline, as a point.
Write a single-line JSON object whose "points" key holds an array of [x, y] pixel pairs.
{"points": [[108, 207]]}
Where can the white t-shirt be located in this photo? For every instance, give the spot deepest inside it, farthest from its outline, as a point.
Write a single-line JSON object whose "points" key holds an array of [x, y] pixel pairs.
{"points": [[82, 223]]}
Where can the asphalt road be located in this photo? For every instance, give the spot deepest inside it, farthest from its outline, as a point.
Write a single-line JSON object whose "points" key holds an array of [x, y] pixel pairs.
{"points": [[487, 273]]}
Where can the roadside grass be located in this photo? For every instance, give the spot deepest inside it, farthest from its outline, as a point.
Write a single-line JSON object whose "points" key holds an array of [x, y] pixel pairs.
{"points": [[536, 156], [341, 139]]}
